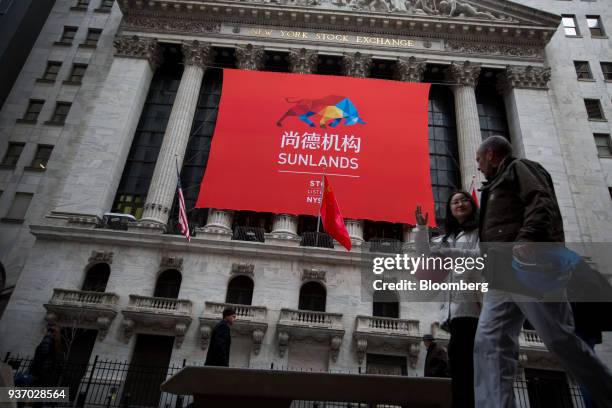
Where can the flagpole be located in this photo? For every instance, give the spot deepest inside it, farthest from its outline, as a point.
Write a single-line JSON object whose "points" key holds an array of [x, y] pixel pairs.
{"points": [[320, 206]]}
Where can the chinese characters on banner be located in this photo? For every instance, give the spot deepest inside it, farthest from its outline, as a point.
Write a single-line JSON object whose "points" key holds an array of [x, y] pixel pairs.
{"points": [[277, 134]]}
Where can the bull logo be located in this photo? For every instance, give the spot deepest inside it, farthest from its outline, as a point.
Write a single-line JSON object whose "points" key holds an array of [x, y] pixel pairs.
{"points": [[329, 111]]}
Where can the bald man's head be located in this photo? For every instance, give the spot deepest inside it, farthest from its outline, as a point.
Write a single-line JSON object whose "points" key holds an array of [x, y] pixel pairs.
{"points": [[490, 154]]}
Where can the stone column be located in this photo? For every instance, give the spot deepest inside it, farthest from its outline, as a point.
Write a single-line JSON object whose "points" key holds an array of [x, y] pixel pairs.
{"points": [[163, 184], [284, 226], [411, 69], [219, 221], [535, 136], [250, 57], [303, 61], [465, 75], [355, 230], [357, 65], [92, 182]]}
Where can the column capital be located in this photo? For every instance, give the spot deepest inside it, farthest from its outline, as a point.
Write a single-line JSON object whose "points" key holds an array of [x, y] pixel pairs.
{"points": [[523, 77], [357, 64], [411, 69], [303, 61], [138, 47], [250, 57], [197, 53], [464, 73]]}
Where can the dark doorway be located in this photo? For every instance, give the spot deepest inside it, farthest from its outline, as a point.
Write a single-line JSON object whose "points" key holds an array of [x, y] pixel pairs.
{"points": [[148, 369], [387, 365], [385, 304], [168, 284], [77, 346], [96, 278], [547, 389], [312, 297]]}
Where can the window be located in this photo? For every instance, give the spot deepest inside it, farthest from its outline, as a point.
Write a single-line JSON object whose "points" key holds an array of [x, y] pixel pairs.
{"points": [[595, 26], [93, 35], [12, 154], [594, 111], [96, 278], [106, 5], [570, 26], [240, 291], [602, 141], [51, 71], [19, 208], [41, 158], [583, 70], [81, 5], [68, 35], [312, 297], [76, 76], [34, 108], [606, 68], [168, 284], [61, 111]]}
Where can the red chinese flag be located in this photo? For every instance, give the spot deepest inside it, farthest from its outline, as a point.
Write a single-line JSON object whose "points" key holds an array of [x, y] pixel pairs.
{"points": [[332, 217]]}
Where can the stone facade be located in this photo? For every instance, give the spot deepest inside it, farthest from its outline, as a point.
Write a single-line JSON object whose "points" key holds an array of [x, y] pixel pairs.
{"points": [[52, 248]]}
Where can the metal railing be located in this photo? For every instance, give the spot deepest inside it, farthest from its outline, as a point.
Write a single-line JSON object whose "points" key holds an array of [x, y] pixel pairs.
{"points": [[386, 245], [252, 234], [317, 239], [117, 384]]}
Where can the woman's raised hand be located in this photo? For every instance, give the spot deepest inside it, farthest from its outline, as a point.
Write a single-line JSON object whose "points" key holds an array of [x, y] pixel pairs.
{"points": [[420, 218]]}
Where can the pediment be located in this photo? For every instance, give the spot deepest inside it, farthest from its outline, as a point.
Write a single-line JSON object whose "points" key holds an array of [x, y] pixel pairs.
{"points": [[483, 22]]}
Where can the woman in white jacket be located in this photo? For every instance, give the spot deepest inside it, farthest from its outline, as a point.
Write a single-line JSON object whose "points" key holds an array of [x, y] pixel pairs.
{"points": [[461, 308]]}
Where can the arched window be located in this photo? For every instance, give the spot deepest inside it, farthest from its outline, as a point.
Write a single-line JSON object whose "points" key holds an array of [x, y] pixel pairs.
{"points": [[168, 284], [97, 278], [385, 304], [240, 291], [312, 297]]}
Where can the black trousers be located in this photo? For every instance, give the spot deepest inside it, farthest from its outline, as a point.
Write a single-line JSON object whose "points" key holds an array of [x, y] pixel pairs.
{"points": [[461, 360]]}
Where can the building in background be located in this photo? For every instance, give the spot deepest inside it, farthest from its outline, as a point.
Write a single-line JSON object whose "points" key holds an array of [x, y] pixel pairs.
{"points": [[20, 24], [96, 104]]}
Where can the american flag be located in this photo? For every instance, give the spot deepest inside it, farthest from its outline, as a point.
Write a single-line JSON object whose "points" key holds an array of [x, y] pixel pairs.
{"points": [[182, 215]]}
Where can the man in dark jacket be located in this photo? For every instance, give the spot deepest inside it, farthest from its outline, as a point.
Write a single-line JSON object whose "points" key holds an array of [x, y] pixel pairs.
{"points": [[436, 361], [221, 340], [518, 204]]}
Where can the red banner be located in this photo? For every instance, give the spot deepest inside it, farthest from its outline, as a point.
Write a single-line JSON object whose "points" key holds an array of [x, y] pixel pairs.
{"points": [[277, 134]]}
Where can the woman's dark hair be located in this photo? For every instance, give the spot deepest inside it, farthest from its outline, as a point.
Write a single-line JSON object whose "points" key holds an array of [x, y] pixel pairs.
{"points": [[451, 225]]}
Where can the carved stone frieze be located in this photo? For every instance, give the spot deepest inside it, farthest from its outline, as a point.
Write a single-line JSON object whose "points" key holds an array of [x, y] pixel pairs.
{"points": [[357, 64], [138, 47], [508, 50], [250, 57], [441, 8], [312, 274], [243, 269], [197, 53], [303, 61], [465, 73], [523, 77], [171, 262], [101, 257], [411, 69], [168, 25]]}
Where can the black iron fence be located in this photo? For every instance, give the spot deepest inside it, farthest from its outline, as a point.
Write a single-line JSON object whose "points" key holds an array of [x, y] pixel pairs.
{"points": [[112, 383]]}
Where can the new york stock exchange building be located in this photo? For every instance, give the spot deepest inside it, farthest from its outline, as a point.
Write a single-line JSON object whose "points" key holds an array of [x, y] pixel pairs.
{"points": [[116, 95]]}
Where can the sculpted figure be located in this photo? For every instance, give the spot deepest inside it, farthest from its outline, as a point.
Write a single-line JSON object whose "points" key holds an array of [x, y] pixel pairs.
{"points": [[454, 8], [422, 6]]}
